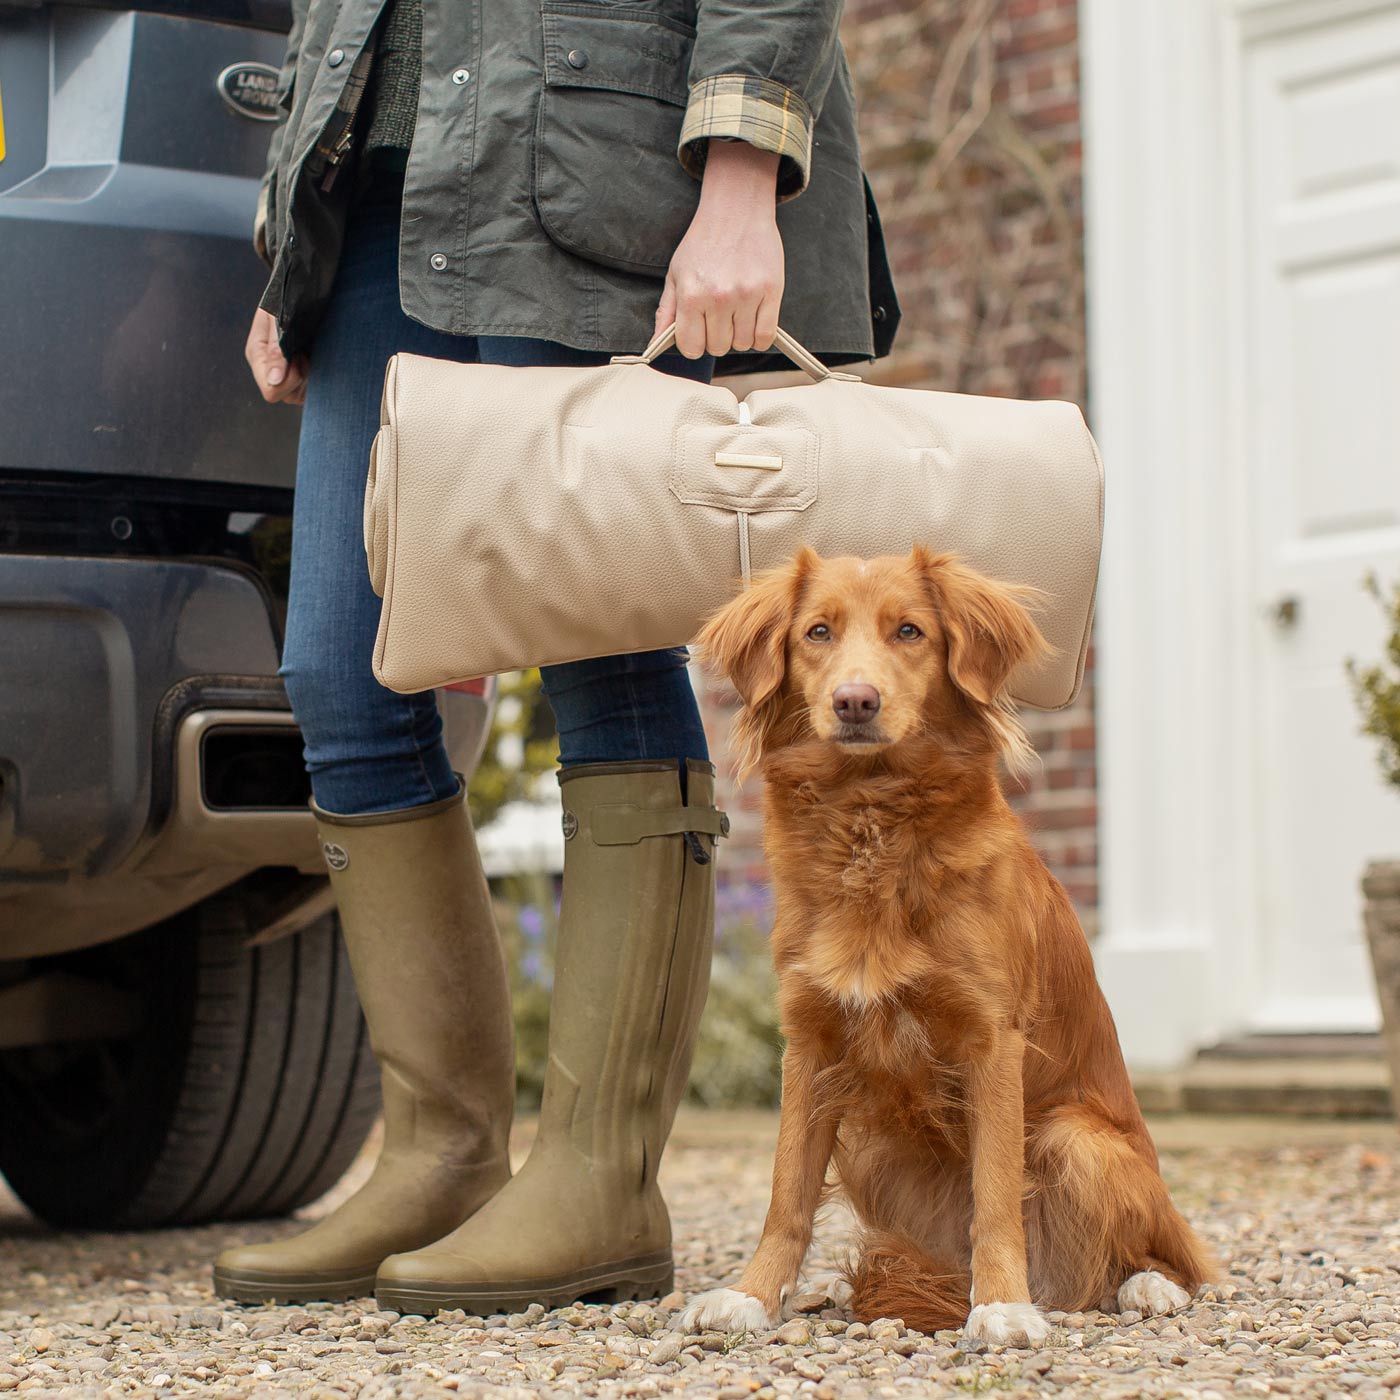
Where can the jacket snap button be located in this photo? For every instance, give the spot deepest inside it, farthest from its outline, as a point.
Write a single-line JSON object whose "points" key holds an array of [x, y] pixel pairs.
{"points": [[878, 314], [336, 57], [578, 58], [438, 261], [460, 76]]}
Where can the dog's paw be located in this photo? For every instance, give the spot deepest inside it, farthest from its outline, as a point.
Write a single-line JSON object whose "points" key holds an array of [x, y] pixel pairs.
{"points": [[724, 1310], [1151, 1294], [1006, 1325], [837, 1290]]}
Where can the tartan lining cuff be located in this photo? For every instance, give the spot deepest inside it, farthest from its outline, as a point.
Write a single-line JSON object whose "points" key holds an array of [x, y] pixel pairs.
{"points": [[760, 111]]}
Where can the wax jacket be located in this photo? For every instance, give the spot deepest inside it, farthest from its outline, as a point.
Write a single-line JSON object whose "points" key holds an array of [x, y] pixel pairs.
{"points": [[556, 164]]}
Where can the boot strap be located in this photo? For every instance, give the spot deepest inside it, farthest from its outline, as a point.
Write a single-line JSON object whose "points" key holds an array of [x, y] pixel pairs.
{"points": [[622, 824]]}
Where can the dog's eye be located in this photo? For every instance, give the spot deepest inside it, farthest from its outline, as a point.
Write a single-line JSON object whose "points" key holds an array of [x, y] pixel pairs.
{"points": [[820, 633], [909, 633]]}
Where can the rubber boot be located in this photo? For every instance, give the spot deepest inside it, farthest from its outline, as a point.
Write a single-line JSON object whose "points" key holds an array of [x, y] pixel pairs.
{"points": [[584, 1218], [418, 925]]}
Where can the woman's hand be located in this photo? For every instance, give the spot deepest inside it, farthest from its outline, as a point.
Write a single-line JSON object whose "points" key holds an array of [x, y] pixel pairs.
{"points": [[279, 380], [725, 282]]}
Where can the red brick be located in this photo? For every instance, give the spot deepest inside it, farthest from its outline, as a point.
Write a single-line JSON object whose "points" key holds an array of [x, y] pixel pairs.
{"points": [[1064, 818], [1055, 114], [1027, 39]]}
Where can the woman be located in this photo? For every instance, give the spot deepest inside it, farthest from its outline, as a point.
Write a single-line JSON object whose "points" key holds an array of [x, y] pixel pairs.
{"points": [[527, 183]]}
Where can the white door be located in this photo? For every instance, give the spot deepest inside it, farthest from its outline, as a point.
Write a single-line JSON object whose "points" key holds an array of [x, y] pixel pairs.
{"points": [[1321, 240]]}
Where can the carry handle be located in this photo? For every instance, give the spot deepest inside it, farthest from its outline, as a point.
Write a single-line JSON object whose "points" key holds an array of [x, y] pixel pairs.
{"points": [[796, 352]]}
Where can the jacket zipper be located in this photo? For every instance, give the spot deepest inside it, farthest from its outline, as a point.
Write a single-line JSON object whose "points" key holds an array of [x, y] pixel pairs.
{"points": [[334, 157], [338, 152]]}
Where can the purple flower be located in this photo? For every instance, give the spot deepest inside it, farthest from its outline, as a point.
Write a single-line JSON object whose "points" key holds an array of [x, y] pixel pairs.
{"points": [[747, 902]]}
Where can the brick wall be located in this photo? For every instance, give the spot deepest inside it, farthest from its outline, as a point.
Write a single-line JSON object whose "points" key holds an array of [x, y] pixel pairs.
{"points": [[971, 136]]}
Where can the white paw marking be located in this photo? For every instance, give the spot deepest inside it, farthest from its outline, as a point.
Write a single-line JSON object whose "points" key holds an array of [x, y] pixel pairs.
{"points": [[724, 1310], [1006, 1325], [1152, 1294]]}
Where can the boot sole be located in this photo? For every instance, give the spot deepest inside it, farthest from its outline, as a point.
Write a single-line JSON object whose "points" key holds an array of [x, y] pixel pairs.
{"points": [[652, 1276], [249, 1286]]}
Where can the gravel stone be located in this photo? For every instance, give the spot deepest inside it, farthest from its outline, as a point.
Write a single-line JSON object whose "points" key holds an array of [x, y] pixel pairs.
{"points": [[1305, 1306]]}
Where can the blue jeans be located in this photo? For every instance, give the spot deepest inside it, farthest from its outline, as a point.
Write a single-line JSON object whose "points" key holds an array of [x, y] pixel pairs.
{"points": [[369, 749]]}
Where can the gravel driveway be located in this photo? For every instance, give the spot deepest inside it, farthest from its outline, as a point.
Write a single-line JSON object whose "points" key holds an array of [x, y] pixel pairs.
{"points": [[1305, 1218]]}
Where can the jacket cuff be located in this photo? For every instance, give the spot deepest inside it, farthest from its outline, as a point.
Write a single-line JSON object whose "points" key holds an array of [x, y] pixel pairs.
{"points": [[757, 110]]}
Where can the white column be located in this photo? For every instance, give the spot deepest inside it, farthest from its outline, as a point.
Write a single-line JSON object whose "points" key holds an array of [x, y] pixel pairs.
{"points": [[1176, 921]]}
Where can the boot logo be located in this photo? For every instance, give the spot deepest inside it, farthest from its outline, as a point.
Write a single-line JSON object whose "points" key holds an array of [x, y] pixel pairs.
{"points": [[570, 825], [337, 857]]}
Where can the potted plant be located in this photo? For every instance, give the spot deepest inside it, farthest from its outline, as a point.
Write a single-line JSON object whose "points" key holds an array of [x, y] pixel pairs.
{"points": [[1377, 692]]}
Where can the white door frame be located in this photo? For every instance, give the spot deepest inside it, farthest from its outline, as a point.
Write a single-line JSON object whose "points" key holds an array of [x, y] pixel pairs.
{"points": [[1177, 627]]}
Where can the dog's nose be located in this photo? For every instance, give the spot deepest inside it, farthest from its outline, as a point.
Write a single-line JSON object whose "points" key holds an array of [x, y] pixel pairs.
{"points": [[855, 704]]}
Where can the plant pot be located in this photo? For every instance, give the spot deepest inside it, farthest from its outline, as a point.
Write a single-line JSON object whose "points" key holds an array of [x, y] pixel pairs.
{"points": [[1381, 886]]}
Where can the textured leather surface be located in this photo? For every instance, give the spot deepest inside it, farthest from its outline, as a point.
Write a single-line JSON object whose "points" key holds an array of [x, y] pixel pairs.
{"points": [[525, 516]]}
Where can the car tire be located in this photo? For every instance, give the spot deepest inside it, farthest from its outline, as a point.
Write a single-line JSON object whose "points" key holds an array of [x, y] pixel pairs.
{"points": [[246, 1090]]}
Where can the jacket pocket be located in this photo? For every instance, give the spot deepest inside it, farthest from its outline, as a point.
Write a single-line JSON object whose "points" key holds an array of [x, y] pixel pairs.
{"points": [[606, 182]]}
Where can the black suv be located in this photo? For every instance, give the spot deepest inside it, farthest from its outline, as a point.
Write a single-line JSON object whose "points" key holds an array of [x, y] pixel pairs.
{"points": [[179, 1034]]}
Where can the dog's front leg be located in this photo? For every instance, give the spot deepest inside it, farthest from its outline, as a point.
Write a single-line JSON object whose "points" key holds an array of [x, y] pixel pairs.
{"points": [[806, 1139], [1002, 1311]]}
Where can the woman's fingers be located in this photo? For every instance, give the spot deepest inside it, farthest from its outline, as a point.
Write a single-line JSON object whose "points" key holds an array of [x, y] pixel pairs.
{"points": [[745, 320], [725, 279], [724, 298], [666, 312], [277, 379], [719, 330], [766, 322], [692, 327], [293, 389]]}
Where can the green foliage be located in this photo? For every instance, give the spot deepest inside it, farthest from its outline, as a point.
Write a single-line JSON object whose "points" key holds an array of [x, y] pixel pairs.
{"points": [[527, 916], [1377, 688], [738, 1056], [521, 748]]}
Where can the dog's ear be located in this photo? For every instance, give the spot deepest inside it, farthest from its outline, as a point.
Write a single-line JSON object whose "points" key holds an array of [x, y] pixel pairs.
{"points": [[988, 625], [747, 638]]}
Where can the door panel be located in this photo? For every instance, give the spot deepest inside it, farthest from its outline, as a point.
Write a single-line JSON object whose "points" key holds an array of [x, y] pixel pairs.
{"points": [[1322, 427]]}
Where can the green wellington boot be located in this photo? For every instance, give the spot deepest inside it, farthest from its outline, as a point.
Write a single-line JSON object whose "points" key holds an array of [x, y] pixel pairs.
{"points": [[584, 1218], [428, 966]]}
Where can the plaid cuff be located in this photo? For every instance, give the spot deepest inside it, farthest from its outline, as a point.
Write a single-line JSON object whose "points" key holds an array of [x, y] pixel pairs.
{"points": [[757, 110]]}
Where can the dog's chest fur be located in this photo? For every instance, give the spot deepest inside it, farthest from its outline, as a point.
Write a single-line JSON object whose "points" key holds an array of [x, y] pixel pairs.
{"points": [[867, 918]]}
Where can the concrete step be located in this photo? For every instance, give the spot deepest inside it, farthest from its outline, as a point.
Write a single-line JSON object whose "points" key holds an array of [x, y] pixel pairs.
{"points": [[1296, 1086]]}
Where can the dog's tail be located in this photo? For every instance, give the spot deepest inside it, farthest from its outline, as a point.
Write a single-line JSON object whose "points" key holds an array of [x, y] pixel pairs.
{"points": [[892, 1277], [1175, 1245]]}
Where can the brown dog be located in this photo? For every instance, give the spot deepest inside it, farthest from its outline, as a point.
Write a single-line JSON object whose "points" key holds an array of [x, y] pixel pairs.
{"points": [[949, 1051]]}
